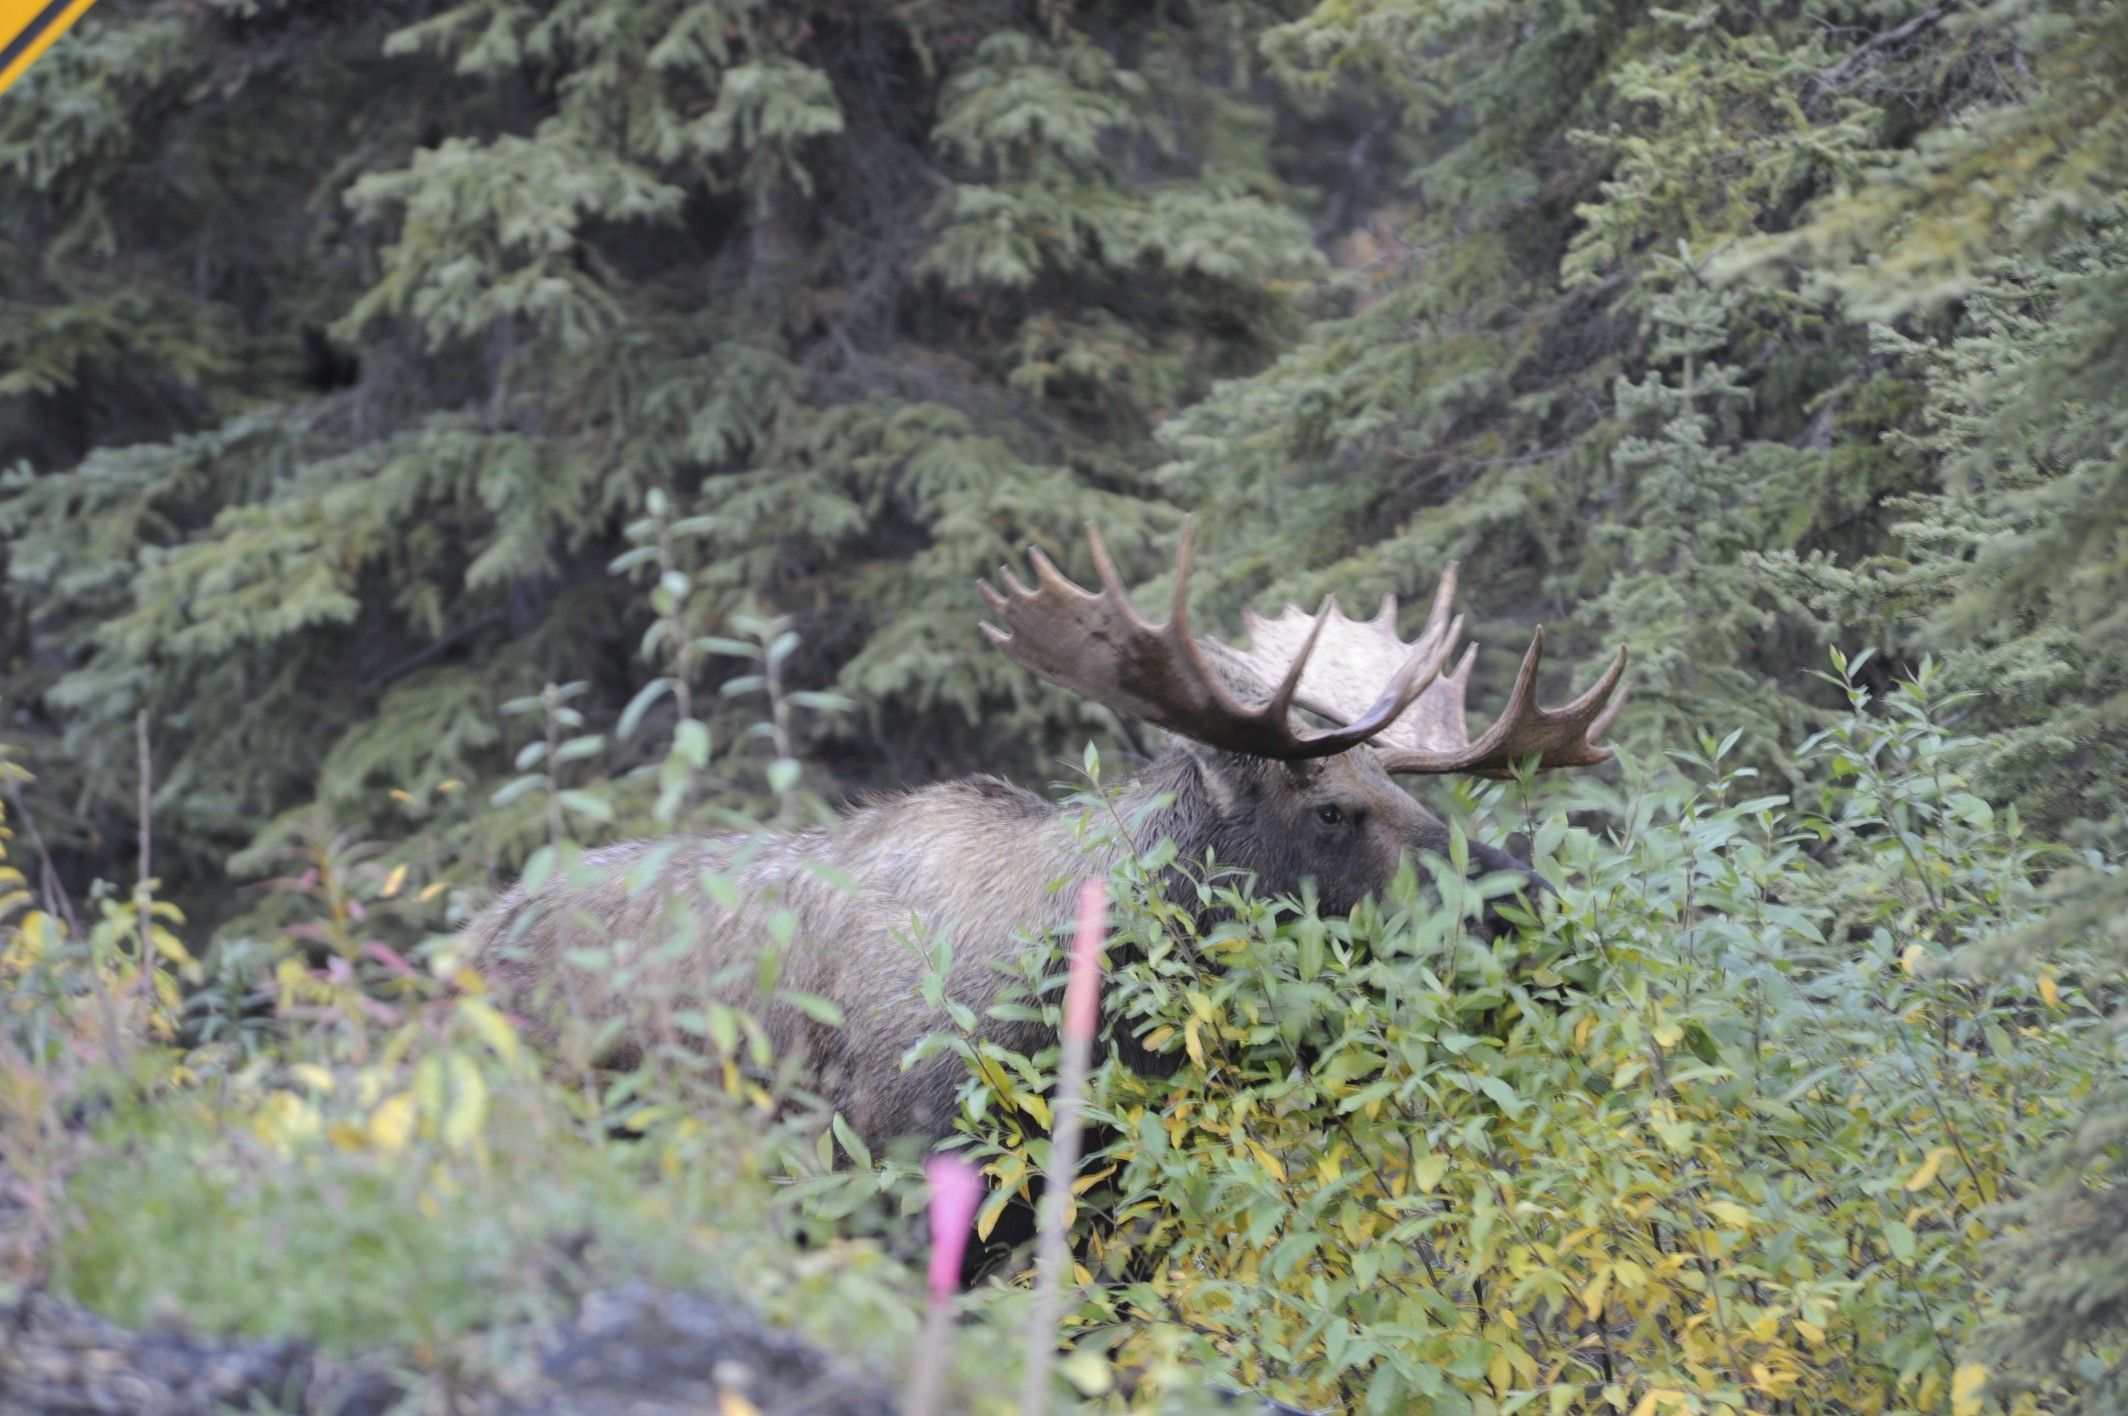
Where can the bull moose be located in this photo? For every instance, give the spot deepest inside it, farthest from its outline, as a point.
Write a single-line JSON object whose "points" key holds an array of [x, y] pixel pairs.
{"points": [[974, 860]]}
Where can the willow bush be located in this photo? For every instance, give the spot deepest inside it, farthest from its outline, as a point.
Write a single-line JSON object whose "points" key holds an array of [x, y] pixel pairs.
{"points": [[1733, 1131]]}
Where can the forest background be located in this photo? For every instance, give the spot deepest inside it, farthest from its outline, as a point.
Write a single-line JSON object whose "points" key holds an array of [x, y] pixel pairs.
{"points": [[366, 368]]}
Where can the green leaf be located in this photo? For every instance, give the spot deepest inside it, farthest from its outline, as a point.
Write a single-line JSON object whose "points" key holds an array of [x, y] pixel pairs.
{"points": [[820, 1010], [1502, 1093], [586, 804], [517, 787], [632, 715]]}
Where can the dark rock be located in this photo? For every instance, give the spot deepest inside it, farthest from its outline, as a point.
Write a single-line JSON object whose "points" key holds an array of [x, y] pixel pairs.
{"points": [[638, 1350], [631, 1351], [57, 1356]]}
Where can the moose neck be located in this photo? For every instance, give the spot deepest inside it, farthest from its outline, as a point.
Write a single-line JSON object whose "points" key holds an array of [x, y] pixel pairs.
{"points": [[1167, 797]]}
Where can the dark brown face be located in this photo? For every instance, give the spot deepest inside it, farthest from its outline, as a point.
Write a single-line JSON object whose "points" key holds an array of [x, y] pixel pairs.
{"points": [[1340, 821]]}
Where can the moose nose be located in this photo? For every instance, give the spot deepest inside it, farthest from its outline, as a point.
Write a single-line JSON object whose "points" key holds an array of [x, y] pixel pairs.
{"points": [[1491, 860]]}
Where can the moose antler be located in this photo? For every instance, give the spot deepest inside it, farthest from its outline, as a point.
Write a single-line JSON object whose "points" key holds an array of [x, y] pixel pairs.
{"points": [[1097, 645], [1432, 737]]}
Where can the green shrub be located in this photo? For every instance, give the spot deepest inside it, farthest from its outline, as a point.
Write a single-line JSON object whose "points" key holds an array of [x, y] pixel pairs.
{"points": [[1733, 1131]]}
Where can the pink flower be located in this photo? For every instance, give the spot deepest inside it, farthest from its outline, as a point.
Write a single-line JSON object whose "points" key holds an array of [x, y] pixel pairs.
{"points": [[955, 1188], [1083, 989]]}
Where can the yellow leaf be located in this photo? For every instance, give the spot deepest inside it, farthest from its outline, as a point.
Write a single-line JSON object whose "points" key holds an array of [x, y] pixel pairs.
{"points": [[491, 1027], [1921, 1177], [429, 1091], [1730, 1213], [393, 882], [1966, 1386], [1911, 959], [1269, 1162], [168, 947], [469, 1103], [730, 1403], [430, 891], [285, 1118], [33, 938], [292, 978], [1086, 1182], [1037, 1106], [311, 1075], [2049, 990], [391, 1125], [1192, 1043], [1008, 1172], [1087, 1370], [994, 1077], [1428, 1170], [1593, 1294], [1668, 1034]]}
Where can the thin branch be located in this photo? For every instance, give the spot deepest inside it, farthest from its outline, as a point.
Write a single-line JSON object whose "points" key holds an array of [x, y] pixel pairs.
{"points": [[142, 895], [48, 882], [1840, 72], [429, 653]]}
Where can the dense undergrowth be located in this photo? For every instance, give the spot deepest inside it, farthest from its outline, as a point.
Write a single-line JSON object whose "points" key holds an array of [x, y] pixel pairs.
{"points": [[1739, 1124], [345, 350]]}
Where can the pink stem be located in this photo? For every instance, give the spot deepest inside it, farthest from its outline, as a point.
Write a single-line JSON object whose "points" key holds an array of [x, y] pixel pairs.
{"points": [[1082, 994], [956, 1187]]}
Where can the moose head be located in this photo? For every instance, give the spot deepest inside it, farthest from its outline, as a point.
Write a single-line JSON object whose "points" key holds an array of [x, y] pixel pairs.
{"points": [[1273, 796]]}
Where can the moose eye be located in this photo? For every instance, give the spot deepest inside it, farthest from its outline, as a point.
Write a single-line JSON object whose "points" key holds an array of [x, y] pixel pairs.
{"points": [[1329, 815]]}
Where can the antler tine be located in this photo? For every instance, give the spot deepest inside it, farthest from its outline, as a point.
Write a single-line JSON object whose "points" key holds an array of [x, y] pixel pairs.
{"points": [[1409, 685], [1111, 582], [1565, 737], [1046, 571], [1095, 643], [1444, 596], [1282, 700], [1601, 724], [1185, 557]]}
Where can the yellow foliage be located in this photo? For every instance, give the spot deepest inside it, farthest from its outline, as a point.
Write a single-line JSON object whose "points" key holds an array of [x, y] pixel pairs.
{"points": [[391, 1125], [1928, 1168], [1966, 1388]]}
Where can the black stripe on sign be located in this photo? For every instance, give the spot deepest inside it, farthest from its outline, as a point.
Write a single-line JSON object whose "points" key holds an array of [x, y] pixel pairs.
{"points": [[31, 30]]}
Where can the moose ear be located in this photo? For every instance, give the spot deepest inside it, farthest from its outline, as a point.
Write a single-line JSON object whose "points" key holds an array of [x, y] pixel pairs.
{"points": [[1224, 775]]}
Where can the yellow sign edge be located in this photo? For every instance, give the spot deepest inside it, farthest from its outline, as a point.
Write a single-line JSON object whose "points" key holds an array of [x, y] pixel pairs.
{"points": [[31, 34]]}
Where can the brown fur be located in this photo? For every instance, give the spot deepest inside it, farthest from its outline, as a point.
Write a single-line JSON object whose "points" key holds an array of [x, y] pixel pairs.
{"points": [[974, 860]]}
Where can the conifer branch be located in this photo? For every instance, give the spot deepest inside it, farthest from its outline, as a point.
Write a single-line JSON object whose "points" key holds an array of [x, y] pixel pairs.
{"points": [[1840, 72]]}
